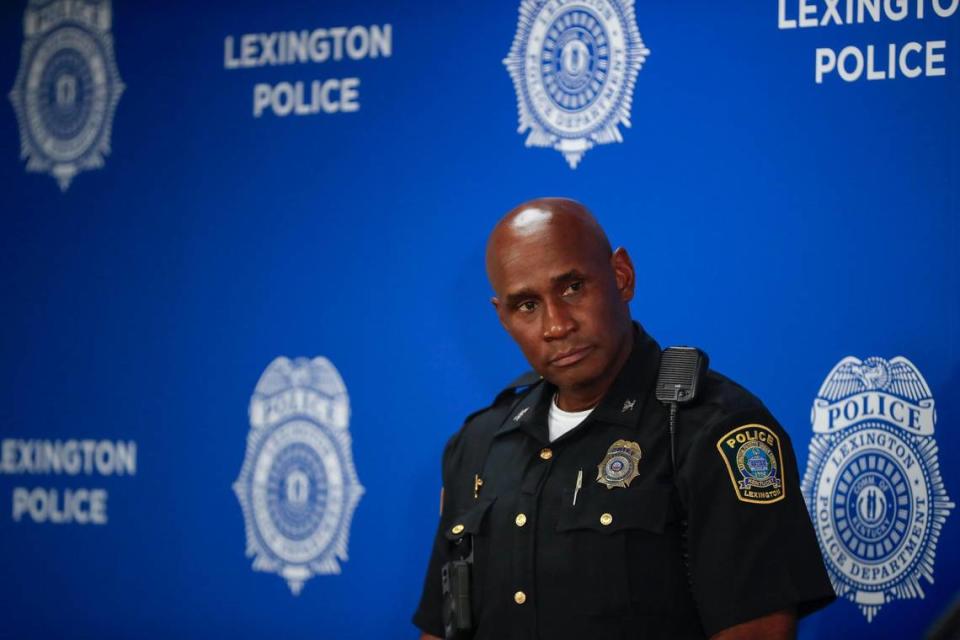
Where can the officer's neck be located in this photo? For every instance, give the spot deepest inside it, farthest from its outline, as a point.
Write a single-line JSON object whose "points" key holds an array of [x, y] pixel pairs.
{"points": [[589, 394]]}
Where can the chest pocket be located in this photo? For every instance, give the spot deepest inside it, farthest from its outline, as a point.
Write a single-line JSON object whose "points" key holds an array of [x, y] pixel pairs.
{"points": [[621, 548], [608, 511], [469, 522]]}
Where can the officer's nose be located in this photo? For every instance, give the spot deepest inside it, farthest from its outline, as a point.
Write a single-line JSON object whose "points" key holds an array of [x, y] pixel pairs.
{"points": [[558, 323]]}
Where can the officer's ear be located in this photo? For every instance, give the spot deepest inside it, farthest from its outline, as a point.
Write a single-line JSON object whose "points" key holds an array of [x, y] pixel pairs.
{"points": [[623, 273]]}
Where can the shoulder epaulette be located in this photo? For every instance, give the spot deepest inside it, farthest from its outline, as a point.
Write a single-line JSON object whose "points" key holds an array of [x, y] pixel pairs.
{"points": [[528, 379], [512, 390]]}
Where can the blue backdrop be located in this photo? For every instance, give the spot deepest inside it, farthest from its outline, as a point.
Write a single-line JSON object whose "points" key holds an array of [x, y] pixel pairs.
{"points": [[777, 222]]}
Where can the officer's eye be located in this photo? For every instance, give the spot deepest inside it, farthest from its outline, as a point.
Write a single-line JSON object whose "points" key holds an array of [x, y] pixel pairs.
{"points": [[573, 287], [527, 306]]}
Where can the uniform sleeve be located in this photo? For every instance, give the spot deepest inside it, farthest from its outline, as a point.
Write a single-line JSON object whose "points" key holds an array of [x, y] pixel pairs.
{"points": [[752, 548], [429, 616]]}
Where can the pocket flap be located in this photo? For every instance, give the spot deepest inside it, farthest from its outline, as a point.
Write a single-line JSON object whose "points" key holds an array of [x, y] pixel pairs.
{"points": [[468, 522], [611, 510]]}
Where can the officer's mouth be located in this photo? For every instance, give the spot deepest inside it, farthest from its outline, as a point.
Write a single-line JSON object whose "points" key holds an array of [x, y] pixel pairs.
{"points": [[570, 357]]}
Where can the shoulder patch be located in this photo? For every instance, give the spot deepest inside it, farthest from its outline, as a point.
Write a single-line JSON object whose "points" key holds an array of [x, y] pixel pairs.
{"points": [[754, 461]]}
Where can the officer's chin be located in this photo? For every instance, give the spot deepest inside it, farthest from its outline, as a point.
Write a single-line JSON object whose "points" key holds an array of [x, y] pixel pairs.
{"points": [[574, 377]]}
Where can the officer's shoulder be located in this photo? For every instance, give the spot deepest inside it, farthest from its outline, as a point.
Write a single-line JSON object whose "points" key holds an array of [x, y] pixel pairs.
{"points": [[720, 392], [493, 414], [481, 424], [722, 401]]}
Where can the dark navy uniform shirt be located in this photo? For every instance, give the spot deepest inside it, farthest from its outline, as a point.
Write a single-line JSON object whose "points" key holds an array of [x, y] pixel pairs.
{"points": [[726, 541]]}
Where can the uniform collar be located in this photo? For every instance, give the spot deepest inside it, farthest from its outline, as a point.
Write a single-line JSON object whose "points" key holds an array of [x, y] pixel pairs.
{"points": [[623, 404], [530, 414]]}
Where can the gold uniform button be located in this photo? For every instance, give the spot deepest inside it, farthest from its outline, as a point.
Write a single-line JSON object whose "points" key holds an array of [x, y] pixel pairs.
{"points": [[521, 519], [606, 519], [457, 529], [519, 597], [546, 454]]}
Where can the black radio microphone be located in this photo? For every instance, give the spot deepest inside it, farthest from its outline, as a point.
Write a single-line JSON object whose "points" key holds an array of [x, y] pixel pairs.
{"points": [[681, 369]]}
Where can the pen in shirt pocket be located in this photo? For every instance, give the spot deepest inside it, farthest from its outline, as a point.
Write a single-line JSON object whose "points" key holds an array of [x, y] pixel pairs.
{"points": [[576, 489]]}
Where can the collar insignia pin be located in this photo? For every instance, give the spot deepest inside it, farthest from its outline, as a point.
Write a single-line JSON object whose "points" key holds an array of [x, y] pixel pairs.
{"points": [[517, 417], [628, 405]]}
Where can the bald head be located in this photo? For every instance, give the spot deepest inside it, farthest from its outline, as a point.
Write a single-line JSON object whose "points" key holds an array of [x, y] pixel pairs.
{"points": [[542, 221]]}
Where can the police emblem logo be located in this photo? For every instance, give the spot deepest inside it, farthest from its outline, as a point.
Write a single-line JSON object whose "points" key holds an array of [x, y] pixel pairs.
{"points": [[298, 487], [67, 88], [754, 461], [574, 66], [873, 484], [619, 466]]}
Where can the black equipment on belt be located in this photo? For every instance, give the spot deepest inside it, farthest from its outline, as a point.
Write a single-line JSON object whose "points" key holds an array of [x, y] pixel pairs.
{"points": [[455, 581]]}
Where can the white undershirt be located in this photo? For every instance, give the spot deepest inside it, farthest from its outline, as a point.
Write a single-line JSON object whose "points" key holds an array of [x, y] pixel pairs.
{"points": [[560, 421]]}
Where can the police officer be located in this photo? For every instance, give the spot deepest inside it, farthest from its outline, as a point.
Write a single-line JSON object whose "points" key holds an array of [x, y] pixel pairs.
{"points": [[563, 498]]}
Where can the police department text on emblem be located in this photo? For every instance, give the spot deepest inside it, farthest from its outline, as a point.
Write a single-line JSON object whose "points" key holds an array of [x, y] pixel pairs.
{"points": [[298, 487], [873, 483], [67, 87], [574, 66]]}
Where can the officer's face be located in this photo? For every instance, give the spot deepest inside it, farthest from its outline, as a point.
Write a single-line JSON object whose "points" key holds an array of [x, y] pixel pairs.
{"points": [[563, 299]]}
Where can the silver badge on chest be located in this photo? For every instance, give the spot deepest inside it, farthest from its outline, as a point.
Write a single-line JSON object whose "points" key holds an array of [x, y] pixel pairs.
{"points": [[619, 466]]}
